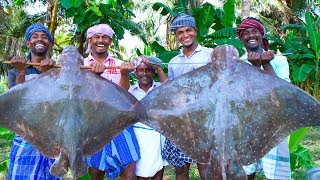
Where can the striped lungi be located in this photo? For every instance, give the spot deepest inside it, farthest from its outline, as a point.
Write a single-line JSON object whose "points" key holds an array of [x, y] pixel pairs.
{"points": [[117, 154], [27, 163]]}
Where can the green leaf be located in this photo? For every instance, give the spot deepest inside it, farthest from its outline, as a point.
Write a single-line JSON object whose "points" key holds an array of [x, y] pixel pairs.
{"points": [[229, 13], [147, 50], [85, 177], [165, 9], [167, 55], [300, 158], [203, 17], [234, 42], [70, 3], [223, 33], [296, 137], [138, 52], [300, 74], [307, 56], [218, 19], [297, 27], [155, 46], [94, 9], [313, 35], [111, 2], [3, 130], [18, 2], [4, 165]]}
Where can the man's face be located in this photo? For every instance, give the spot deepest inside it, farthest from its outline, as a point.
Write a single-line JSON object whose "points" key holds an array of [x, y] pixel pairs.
{"points": [[144, 74], [186, 35], [100, 43], [39, 43], [252, 39]]}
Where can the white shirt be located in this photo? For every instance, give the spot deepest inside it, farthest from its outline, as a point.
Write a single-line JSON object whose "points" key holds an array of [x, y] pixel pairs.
{"points": [[137, 92], [179, 64]]}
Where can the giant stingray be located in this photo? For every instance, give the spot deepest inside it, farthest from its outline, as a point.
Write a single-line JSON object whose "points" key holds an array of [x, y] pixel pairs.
{"points": [[68, 113], [228, 113]]}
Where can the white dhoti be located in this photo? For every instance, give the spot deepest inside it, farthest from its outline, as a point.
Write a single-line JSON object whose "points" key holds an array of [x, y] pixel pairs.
{"points": [[151, 143]]}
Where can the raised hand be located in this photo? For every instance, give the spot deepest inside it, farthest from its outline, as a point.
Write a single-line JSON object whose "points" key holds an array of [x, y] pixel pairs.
{"points": [[46, 64], [97, 67]]}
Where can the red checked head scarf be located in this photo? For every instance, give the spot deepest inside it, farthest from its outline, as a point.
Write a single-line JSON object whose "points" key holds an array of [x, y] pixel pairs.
{"points": [[251, 22]]}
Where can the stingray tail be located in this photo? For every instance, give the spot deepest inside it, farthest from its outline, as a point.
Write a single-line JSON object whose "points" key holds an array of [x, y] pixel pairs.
{"points": [[77, 164], [213, 169], [229, 168], [60, 166]]}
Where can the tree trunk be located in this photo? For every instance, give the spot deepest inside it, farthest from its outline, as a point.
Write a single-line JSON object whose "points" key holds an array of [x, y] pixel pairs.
{"points": [[82, 40], [245, 10], [52, 15]]}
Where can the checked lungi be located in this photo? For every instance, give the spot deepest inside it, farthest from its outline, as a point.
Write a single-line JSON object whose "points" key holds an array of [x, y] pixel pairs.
{"points": [[117, 154], [27, 163]]}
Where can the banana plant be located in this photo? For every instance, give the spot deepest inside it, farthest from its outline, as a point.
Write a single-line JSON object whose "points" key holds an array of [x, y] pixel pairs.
{"points": [[302, 43], [312, 24]]}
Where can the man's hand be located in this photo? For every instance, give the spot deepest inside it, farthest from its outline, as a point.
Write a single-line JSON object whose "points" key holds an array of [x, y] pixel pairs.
{"points": [[258, 59], [255, 58], [126, 68], [97, 67], [18, 63], [267, 56], [46, 64], [146, 61]]}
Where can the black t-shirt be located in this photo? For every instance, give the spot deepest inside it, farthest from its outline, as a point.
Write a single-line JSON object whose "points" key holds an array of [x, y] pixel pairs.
{"points": [[13, 73]]}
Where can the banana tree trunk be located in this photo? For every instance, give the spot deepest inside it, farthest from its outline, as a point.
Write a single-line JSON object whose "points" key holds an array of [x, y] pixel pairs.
{"points": [[245, 10]]}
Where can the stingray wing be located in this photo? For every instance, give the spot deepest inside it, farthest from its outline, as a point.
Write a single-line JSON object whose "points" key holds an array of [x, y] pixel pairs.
{"points": [[231, 107], [27, 110], [268, 109], [34, 110], [107, 112], [69, 113], [180, 109]]}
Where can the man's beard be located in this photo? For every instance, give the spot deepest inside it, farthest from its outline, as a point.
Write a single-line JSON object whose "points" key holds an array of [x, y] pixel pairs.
{"points": [[39, 52], [253, 49], [100, 53]]}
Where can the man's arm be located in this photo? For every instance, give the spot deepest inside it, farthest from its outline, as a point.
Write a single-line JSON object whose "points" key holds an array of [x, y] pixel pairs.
{"points": [[125, 70], [266, 57], [161, 74], [20, 65]]}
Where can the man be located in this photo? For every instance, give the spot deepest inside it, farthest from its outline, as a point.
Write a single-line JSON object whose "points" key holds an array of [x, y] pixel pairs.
{"points": [[25, 161], [192, 56], [151, 165], [276, 163], [117, 157]]}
